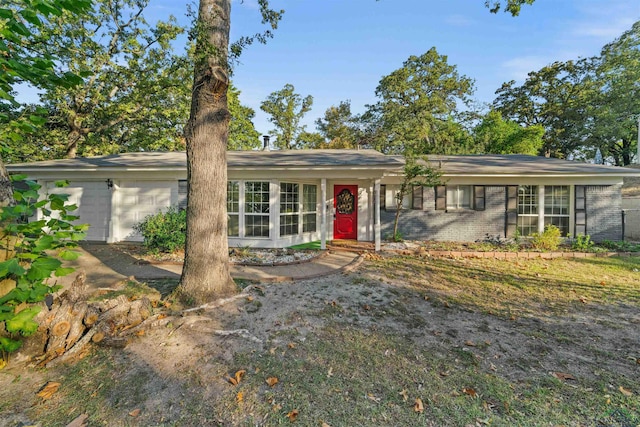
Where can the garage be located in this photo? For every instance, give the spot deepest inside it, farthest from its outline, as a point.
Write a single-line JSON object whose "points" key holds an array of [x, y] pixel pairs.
{"points": [[135, 200], [93, 199]]}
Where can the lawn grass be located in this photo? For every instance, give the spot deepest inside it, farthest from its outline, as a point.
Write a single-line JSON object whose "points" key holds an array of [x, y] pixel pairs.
{"points": [[519, 287], [345, 376], [367, 366], [307, 246]]}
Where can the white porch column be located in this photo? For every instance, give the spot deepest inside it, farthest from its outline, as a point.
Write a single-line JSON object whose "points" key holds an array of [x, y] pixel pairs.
{"points": [[323, 214], [540, 209], [376, 208]]}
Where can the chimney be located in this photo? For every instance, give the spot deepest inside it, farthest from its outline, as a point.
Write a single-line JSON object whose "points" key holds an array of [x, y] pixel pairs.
{"points": [[265, 145]]}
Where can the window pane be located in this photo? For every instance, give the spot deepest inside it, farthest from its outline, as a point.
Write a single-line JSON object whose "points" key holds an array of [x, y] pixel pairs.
{"points": [[288, 225], [528, 200], [233, 225], [458, 196], [309, 198], [556, 207], [309, 223], [233, 196], [289, 198], [527, 225], [256, 196], [256, 226]]}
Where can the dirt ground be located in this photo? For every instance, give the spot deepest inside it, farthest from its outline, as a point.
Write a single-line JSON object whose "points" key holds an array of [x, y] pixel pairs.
{"points": [[189, 356]]}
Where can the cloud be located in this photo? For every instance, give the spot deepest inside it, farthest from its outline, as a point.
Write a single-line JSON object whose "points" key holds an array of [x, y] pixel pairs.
{"points": [[458, 20], [518, 68], [605, 22]]}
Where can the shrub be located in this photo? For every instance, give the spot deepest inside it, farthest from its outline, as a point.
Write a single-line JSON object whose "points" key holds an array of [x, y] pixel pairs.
{"points": [[548, 240], [30, 253], [582, 243], [164, 231]]}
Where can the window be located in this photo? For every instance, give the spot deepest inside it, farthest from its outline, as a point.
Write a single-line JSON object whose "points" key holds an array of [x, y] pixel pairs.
{"points": [[556, 207], [182, 194], [416, 199], [527, 209], [233, 208], [383, 197], [289, 209], [309, 208], [256, 209], [458, 197]]}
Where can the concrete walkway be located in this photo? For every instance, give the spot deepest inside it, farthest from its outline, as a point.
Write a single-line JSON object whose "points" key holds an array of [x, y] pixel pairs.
{"points": [[106, 266]]}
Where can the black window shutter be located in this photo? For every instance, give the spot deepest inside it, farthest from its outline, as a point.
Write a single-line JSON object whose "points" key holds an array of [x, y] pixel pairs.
{"points": [[580, 210], [182, 194], [479, 197], [441, 197], [511, 219], [416, 202]]}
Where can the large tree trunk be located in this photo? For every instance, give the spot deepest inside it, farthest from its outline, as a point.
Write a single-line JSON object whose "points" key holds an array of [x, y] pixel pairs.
{"points": [[205, 275]]}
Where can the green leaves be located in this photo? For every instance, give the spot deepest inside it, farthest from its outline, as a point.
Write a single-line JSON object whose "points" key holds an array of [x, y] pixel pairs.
{"points": [[34, 261], [23, 321], [286, 108]]}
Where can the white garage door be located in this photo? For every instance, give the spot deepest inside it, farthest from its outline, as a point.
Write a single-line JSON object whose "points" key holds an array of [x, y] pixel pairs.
{"points": [[138, 199], [93, 199]]}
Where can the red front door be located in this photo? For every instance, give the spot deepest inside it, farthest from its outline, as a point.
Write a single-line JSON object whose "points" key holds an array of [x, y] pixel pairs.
{"points": [[345, 203]]}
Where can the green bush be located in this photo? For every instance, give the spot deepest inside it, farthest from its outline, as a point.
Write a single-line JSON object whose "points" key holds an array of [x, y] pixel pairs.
{"points": [[164, 231], [582, 243], [31, 252], [548, 240]]}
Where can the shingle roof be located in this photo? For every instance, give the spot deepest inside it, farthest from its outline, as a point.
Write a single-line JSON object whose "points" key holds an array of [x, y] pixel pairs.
{"points": [[290, 159], [521, 165], [476, 165]]}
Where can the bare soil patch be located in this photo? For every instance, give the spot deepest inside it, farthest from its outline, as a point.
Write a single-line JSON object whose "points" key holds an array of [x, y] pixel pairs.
{"points": [[478, 342]]}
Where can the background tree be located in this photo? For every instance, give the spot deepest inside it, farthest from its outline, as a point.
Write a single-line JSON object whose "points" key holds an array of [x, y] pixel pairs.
{"points": [[22, 62], [494, 135], [286, 109], [556, 98], [133, 95], [339, 127], [242, 134], [615, 102], [418, 107]]}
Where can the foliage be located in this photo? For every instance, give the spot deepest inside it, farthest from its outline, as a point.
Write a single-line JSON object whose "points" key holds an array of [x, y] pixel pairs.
{"points": [[21, 61], [548, 240], [614, 110], [582, 243], [584, 105], [132, 95], [418, 105], [32, 253], [511, 6], [286, 108], [164, 231], [242, 134], [417, 172], [338, 127], [620, 246], [555, 97], [499, 136]]}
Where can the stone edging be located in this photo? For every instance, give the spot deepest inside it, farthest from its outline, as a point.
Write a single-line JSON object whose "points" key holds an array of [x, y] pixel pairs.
{"points": [[515, 255], [322, 254]]}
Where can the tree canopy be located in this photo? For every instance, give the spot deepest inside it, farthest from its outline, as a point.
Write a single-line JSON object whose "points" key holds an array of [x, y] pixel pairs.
{"points": [[287, 108], [417, 107]]}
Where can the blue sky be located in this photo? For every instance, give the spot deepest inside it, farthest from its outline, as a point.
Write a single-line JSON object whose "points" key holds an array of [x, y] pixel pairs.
{"points": [[336, 50], [339, 49]]}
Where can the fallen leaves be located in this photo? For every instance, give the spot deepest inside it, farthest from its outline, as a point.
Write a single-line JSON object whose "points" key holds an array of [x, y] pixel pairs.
{"points": [[625, 391], [293, 415], [470, 392], [418, 406], [272, 381], [237, 377], [563, 376], [48, 390], [239, 397], [134, 413], [405, 395]]}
